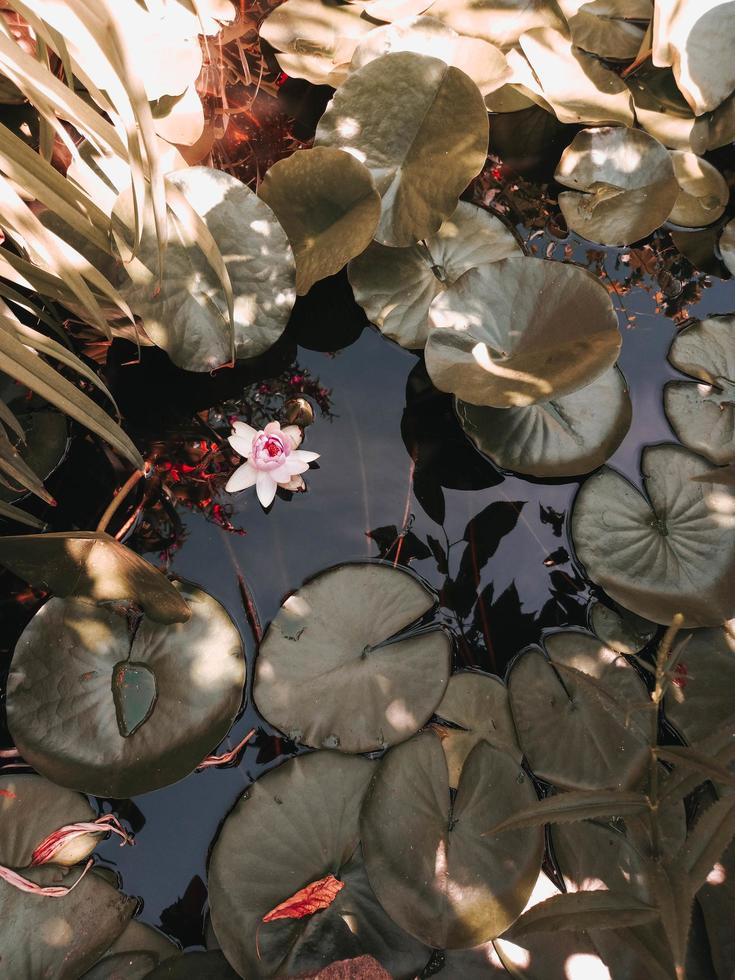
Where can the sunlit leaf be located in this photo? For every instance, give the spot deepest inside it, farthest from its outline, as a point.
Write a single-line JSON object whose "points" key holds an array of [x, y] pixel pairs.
{"points": [[619, 629], [703, 191]]}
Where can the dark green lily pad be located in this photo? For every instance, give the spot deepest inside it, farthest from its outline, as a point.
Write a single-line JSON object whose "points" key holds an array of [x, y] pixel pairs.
{"points": [[478, 704], [32, 808], [46, 441], [619, 629], [431, 868], [59, 937], [566, 436], [702, 412], [672, 551], [93, 565], [195, 966], [61, 706], [294, 826], [702, 694], [124, 966], [339, 666], [573, 736], [139, 937]]}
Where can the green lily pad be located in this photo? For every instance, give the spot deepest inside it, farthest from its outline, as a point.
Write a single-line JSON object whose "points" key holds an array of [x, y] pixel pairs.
{"points": [[93, 565], [396, 286], [702, 414], [62, 708], [32, 808], [46, 442], [186, 313], [59, 937], [623, 184], [702, 695], [574, 735], [478, 704], [577, 86], [294, 826], [619, 629], [703, 191], [671, 551], [430, 865], [421, 128], [607, 28], [483, 62], [328, 206], [727, 246], [195, 966], [135, 965], [141, 937], [521, 331], [339, 667], [567, 436]]}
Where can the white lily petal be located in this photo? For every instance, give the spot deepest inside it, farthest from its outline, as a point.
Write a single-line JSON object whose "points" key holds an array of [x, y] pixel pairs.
{"points": [[272, 427], [295, 484], [265, 487], [244, 430], [281, 474], [242, 445], [304, 455], [294, 433], [295, 466], [243, 477]]}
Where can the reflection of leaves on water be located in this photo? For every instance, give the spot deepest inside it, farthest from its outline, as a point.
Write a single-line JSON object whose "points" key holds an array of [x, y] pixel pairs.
{"points": [[554, 518], [388, 538]]}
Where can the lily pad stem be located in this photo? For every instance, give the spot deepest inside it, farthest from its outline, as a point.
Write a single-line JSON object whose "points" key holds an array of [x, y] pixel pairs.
{"points": [[121, 494]]}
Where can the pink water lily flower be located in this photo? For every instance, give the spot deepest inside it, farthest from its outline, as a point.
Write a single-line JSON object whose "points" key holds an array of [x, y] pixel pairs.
{"points": [[273, 459]]}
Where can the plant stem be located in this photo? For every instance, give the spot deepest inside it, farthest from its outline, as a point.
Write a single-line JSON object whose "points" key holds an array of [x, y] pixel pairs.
{"points": [[121, 494]]}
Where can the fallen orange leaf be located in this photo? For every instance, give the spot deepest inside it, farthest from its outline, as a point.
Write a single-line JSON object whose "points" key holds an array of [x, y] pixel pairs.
{"points": [[314, 897]]}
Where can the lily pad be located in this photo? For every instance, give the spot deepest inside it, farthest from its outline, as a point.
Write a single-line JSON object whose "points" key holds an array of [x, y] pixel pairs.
{"points": [[294, 826], [702, 413], [500, 22], [567, 436], [727, 246], [577, 86], [619, 629], [186, 313], [623, 185], [702, 694], [670, 551], [432, 869], [194, 966], [485, 64], [328, 206], [478, 709], [46, 442], [573, 734], [31, 809], [521, 331], [60, 938], [135, 965], [340, 667], [63, 708], [396, 286], [703, 191], [93, 565], [139, 936], [608, 28], [421, 128]]}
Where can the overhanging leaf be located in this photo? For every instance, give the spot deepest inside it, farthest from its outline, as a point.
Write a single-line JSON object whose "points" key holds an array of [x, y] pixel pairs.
{"points": [[583, 911], [576, 805]]}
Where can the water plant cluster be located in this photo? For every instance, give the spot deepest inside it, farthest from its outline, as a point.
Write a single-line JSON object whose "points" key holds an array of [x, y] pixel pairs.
{"points": [[576, 814]]}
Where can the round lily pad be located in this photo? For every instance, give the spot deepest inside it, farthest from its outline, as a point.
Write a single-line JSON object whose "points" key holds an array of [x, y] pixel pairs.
{"points": [[610, 29], [701, 696], [31, 809], [328, 206], [703, 191], [478, 709], [75, 689], [702, 413], [483, 62], [501, 22], [46, 442], [521, 331], [577, 86], [59, 937], [623, 184], [620, 629], [135, 965], [186, 313], [340, 667], [573, 734], [194, 966], [566, 436], [139, 936], [396, 286], [670, 551], [421, 128], [432, 869], [293, 827]]}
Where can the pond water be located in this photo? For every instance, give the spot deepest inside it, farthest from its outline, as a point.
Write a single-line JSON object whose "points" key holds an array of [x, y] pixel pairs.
{"points": [[397, 479]]}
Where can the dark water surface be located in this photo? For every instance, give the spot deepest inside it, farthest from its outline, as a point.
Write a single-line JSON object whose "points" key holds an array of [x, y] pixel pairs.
{"points": [[500, 555]]}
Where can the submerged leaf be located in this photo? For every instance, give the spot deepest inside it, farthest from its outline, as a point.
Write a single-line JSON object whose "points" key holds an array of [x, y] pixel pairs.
{"points": [[93, 565]]}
